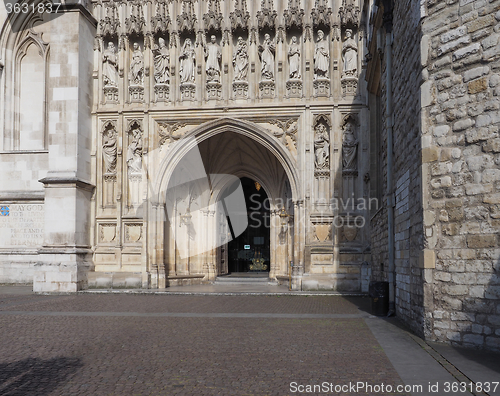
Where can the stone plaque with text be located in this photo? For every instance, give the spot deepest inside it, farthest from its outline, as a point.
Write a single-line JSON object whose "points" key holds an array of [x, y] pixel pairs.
{"points": [[21, 225]]}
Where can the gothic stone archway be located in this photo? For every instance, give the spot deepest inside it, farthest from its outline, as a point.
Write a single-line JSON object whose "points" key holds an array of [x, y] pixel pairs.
{"points": [[189, 230]]}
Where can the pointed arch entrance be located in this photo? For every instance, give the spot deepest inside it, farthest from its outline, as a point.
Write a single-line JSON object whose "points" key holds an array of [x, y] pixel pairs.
{"points": [[189, 230]]}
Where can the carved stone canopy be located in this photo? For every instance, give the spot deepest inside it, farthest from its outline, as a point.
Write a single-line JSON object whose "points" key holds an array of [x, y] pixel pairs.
{"points": [[321, 14], [266, 17], [160, 22], [186, 21], [349, 14], [294, 15]]}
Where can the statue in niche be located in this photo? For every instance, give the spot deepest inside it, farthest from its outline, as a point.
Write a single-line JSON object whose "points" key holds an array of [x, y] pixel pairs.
{"points": [[240, 60], [266, 51], [134, 152], [349, 54], [349, 148], [187, 58], [136, 76], [109, 149], [161, 62], [321, 56], [110, 66], [321, 147], [213, 55], [294, 58]]}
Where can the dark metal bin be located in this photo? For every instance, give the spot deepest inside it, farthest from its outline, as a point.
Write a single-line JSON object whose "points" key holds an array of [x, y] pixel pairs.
{"points": [[379, 293]]}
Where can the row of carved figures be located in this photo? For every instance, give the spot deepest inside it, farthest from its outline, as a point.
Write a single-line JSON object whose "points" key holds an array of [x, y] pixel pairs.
{"points": [[321, 147], [213, 56]]}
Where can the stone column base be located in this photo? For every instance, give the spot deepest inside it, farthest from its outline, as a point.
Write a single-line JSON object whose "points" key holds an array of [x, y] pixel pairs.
{"points": [[62, 270]]}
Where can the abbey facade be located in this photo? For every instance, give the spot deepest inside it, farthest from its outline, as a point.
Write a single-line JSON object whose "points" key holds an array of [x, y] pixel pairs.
{"points": [[323, 142]]}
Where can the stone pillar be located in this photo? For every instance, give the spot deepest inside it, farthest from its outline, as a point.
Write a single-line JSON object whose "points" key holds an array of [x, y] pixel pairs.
{"points": [[66, 256]]}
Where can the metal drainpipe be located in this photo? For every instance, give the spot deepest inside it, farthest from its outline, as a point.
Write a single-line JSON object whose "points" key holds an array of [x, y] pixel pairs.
{"points": [[390, 183]]}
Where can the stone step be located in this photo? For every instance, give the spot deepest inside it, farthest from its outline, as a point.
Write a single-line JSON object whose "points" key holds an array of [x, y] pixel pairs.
{"points": [[233, 280]]}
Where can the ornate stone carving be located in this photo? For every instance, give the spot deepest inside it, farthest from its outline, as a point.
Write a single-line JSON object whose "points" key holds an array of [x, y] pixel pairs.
{"points": [[240, 61], [162, 70], [321, 14], [266, 52], [166, 132], [108, 232], [307, 33], [111, 22], [321, 57], [133, 232], [135, 23], [187, 19], [136, 75], [187, 62], [214, 17], [240, 16], [322, 142], [294, 59], [110, 66], [109, 147], [266, 17], [349, 14], [293, 15], [288, 133], [349, 146], [213, 56], [267, 89], [160, 23], [349, 55], [240, 89], [294, 88], [349, 86], [134, 149]]}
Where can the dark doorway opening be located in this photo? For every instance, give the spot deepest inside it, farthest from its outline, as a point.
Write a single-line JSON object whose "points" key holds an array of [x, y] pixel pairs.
{"points": [[250, 252]]}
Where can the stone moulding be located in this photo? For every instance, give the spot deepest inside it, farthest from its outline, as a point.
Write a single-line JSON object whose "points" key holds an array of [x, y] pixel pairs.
{"points": [[111, 94], [162, 92], [294, 88], [321, 87], [136, 93], [188, 91], [240, 89], [267, 88]]}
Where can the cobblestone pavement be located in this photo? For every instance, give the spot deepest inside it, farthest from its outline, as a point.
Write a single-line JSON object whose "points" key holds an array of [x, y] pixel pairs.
{"points": [[185, 345]]}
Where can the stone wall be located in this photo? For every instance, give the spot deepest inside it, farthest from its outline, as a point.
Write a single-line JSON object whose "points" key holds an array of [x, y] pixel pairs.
{"points": [[461, 146]]}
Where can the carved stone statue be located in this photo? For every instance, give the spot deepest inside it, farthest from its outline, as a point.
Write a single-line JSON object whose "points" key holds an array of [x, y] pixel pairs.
{"points": [[266, 51], [240, 60], [321, 147], [109, 149], [213, 55], [110, 66], [349, 54], [136, 76], [187, 58], [349, 148], [321, 56], [161, 62], [134, 152], [294, 58]]}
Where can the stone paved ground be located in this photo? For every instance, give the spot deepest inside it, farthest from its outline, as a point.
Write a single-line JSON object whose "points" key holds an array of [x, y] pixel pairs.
{"points": [[184, 345]]}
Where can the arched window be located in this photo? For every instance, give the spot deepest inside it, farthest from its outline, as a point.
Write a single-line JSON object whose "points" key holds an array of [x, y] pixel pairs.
{"points": [[30, 85]]}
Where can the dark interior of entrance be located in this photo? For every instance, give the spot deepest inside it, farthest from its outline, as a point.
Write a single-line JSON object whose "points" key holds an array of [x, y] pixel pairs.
{"points": [[250, 252]]}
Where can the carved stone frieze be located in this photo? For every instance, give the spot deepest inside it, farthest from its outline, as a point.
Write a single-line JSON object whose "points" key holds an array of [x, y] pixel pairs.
{"points": [[166, 132], [109, 24], [287, 133], [186, 21], [349, 14], [294, 15], [321, 14], [135, 23], [135, 147], [266, 16], [240, 16], [160, 22], [213, 18], [109, 146]]}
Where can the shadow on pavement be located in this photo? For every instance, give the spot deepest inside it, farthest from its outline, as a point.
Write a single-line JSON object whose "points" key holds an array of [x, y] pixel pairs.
{"points": [[34, 376]]}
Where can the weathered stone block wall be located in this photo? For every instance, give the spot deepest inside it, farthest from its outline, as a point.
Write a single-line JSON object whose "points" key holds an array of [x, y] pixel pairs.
{"points": [[407, 153], [461, 146]]}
